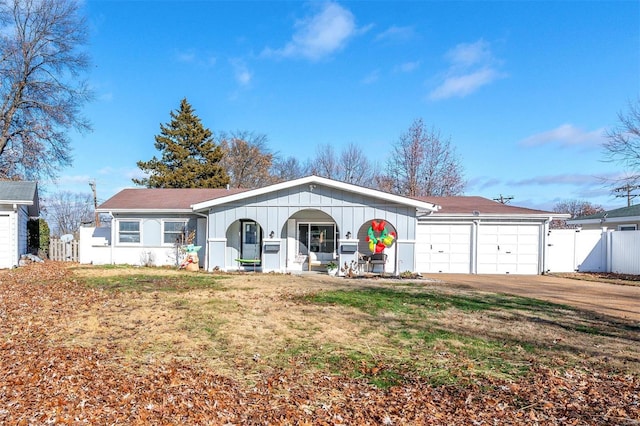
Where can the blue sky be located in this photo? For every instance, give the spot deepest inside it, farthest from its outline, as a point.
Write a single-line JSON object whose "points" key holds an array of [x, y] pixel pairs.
{"points": [[524, 89]]}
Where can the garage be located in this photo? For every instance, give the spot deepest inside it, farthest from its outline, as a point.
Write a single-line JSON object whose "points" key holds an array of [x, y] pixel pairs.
{"points": [[480, 236], [443, 248], [509, 249], [5, 245]]}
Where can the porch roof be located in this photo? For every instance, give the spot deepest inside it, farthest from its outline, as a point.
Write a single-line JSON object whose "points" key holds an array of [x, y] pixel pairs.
{"points": [[421, 205]]}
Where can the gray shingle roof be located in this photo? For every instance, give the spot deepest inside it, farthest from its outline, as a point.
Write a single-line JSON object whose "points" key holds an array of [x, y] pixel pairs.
{"points": [[20, 192]]}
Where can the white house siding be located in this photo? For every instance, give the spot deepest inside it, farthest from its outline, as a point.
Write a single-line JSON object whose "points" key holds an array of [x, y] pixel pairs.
{"points": [[273, 210], [22, 219], [444, 247]]}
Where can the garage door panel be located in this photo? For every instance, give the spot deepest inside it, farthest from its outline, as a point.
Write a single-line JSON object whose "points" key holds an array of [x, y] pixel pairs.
{"points": [[443, 248], [508, 249], [5, 241]]}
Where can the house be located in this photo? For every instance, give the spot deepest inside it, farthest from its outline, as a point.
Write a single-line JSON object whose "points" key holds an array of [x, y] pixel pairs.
{"points": [[18, 202], [303, 224], [622, 219]]}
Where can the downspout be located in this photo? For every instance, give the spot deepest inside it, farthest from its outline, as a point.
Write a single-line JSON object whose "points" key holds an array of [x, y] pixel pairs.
{"points": [[206, 239], [113, 236]]}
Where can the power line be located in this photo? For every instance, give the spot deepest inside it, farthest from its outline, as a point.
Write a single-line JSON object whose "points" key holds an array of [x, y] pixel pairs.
{"points": [[625, 191], [503, 200]]}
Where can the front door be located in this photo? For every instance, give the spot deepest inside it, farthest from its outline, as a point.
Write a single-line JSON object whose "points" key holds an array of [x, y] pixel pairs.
{"points": [[251, 237], [318, 242]]}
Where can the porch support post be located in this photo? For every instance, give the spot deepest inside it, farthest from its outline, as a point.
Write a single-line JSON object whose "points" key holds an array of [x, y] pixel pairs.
{"points": [[217, 253]]}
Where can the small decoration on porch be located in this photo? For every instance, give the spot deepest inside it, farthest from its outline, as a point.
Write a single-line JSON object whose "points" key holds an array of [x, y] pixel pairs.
{"points": [[191, 261], [378, 237], [332, 268]]}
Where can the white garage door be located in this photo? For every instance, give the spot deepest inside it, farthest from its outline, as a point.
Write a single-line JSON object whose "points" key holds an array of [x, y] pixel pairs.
{"points": [[5, 241], [443, 248], [508, 249]]}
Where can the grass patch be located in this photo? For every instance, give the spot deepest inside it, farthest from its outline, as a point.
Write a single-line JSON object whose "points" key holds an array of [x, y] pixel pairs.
{"points": [[154, 282], [413, 300]]}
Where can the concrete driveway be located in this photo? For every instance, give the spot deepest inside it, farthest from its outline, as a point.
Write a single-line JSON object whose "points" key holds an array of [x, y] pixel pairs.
{"points": [[622, 301]]}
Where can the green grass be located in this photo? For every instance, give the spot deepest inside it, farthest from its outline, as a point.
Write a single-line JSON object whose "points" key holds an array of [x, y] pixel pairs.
{"points": [[405, 301], [409, 317], [148, 283]]}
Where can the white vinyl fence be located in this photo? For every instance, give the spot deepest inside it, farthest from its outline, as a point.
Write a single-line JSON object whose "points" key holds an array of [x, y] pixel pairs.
{"points": [[571, 250]]}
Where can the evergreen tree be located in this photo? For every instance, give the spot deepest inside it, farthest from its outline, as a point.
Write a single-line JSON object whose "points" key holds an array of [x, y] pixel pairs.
{"points": [[190, 157]]}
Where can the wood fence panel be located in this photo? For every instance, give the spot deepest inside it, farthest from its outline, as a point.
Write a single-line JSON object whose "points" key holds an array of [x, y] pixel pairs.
{"points": [[64, 251]]}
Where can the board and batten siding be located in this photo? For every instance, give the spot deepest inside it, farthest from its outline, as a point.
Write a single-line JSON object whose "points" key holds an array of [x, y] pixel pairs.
{"points": [[272, 211]]}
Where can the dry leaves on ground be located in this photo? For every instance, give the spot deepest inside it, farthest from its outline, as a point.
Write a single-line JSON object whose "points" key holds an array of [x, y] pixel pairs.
{"points": [[43, 380]]}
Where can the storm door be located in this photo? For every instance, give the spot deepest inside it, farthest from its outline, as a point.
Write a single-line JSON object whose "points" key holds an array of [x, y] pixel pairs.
{"points": [[251, 241], [318, 241]]}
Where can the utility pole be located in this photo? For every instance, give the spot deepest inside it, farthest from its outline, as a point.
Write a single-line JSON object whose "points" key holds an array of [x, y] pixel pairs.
{"points": [[625, 191], [92, 184], [503, 200]]}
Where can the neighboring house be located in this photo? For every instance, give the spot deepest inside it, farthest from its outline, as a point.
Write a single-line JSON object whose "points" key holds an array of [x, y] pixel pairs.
{"points": [[18, 202], [304, 224], [622, 219]]}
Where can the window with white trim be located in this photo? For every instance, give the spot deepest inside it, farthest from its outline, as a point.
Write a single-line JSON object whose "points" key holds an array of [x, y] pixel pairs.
{"points": [[630, 227], [129, 231], [174, 232]]}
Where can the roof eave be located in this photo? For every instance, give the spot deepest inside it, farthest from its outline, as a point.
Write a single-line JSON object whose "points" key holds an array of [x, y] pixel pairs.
{"points": [[314, 180], [541, 216], [622, 219]]}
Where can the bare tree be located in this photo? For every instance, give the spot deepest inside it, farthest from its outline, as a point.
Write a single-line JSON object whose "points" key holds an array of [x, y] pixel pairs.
{"points": [[246, 159], [623, 141], [576, 208], [325, 163], [41, 89], [350, 165], [424, 164], [623, 147], [67, 211], [284, 169], [354, 166]]}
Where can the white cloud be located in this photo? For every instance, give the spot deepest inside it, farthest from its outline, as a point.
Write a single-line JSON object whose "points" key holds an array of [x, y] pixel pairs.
{"points": [[408, 67], [463, 85], [561, 179], [466, 55], [566, 135], [372, 77], [242, 74], [319, 35], [396, 34], [471, 66]]}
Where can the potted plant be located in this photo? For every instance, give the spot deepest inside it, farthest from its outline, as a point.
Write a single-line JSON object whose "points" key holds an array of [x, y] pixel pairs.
{"points": [[332, 268]]}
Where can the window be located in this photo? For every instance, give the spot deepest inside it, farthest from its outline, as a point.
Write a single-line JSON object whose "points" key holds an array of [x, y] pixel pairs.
{"points": [[627, 227], [129, 232], [174, 232]]}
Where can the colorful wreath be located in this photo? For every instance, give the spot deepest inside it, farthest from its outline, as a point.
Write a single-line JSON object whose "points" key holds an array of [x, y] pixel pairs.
{"points": [[378, 237]]}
